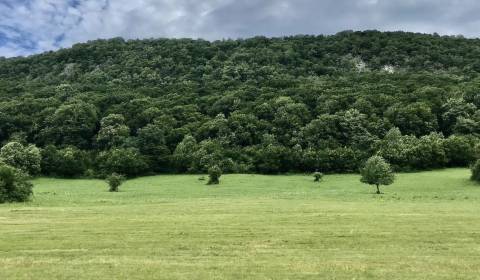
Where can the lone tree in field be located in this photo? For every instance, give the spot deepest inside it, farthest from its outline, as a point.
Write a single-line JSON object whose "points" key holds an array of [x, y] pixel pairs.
{"points": [[214, 174], [318, 176], [377, 172], [476, 171], [114, 181], [14, 185]]}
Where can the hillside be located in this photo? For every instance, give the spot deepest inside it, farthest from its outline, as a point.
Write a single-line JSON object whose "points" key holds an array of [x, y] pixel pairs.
{"points": [[262, 105]]}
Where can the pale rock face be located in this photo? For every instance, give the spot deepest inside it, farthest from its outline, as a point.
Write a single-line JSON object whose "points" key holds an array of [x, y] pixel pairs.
{"points": [[389, 69], [69, 69], [360, 65]]}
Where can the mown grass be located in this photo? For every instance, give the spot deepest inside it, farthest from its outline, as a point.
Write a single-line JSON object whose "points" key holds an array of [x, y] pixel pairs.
{"points": [[425, 226]]}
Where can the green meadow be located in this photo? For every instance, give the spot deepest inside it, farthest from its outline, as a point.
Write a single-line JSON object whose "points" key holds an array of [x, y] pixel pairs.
{"points": [[425, 226]]}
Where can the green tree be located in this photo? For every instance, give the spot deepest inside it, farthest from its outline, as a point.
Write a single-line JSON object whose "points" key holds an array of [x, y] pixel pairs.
{"points": [[26, 158], [397, 149], [460, 150], [377, 172], [128, 161], [430, 152], [183, 153], [71, 124], [113, 131], [67, 162], [152, 144], [413, 119], [453, 110]]}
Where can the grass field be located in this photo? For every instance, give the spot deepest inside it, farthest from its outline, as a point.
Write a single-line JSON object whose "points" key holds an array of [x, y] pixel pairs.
{"points": [[425, 226]]}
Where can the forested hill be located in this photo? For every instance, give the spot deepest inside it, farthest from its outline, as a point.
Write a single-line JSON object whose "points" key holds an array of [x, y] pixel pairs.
{"points": [[256, 105]]}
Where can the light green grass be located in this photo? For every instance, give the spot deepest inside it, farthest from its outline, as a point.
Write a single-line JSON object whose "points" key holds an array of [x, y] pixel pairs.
{"points": [[425, 226]]}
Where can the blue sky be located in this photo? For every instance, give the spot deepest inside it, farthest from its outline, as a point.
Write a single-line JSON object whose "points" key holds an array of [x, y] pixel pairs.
{"points": [[34, 26]]}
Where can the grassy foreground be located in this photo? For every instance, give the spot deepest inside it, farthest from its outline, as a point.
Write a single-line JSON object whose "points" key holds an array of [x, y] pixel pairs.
{"points": [[425, 226]]}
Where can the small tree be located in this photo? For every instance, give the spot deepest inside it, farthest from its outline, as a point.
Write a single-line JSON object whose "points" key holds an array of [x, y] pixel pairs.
{"points": [[377, 172], [214, 174], [114, 181], [476, 171], [318, 176], [14, 185]]}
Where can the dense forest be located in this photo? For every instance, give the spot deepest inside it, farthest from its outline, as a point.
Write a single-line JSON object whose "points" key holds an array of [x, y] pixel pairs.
{"points": [[266, 105]]}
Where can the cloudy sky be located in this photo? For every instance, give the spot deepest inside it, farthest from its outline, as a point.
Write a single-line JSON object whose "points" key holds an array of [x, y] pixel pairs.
{"points": [[33, 26]]}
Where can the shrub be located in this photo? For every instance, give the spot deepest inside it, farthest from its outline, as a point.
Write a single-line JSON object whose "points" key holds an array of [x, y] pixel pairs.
{"points": [[114, 181], [90, 173], [476, 171], [214, 174], [377, 172], [26, 158], [14, 186], [318, 176]]}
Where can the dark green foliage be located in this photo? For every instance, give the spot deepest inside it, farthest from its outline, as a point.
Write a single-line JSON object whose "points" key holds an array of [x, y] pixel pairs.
{"points": [[266, 105], [317, 176], [214, 174], [73, 124], [113, 131], [114, 181], [183, 155], [14, 185], [152, 144], [460, 150], [66, 162], [128, 161], [413, 119], [377, 172], [476, 171]]}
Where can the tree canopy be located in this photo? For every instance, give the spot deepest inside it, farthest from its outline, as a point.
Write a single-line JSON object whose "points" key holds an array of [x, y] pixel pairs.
{"points": [[268, 105], [377, 172]]}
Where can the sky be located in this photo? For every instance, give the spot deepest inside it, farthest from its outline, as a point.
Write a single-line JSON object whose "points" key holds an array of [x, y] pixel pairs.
{"points": [[34, 26]]}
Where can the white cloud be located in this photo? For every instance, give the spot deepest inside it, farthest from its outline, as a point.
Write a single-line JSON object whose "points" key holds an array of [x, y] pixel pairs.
{"points": [[32, 26]]}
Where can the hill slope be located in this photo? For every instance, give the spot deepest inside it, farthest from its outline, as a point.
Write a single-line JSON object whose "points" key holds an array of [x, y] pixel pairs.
{"points": [[257, 105]]}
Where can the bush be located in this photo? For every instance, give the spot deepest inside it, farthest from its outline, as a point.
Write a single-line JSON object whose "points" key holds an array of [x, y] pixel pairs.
{"points": [[26, 158], [90, 174], [114, 181], [214, 174], [318, 176], [14, 186], [476, 171]]}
